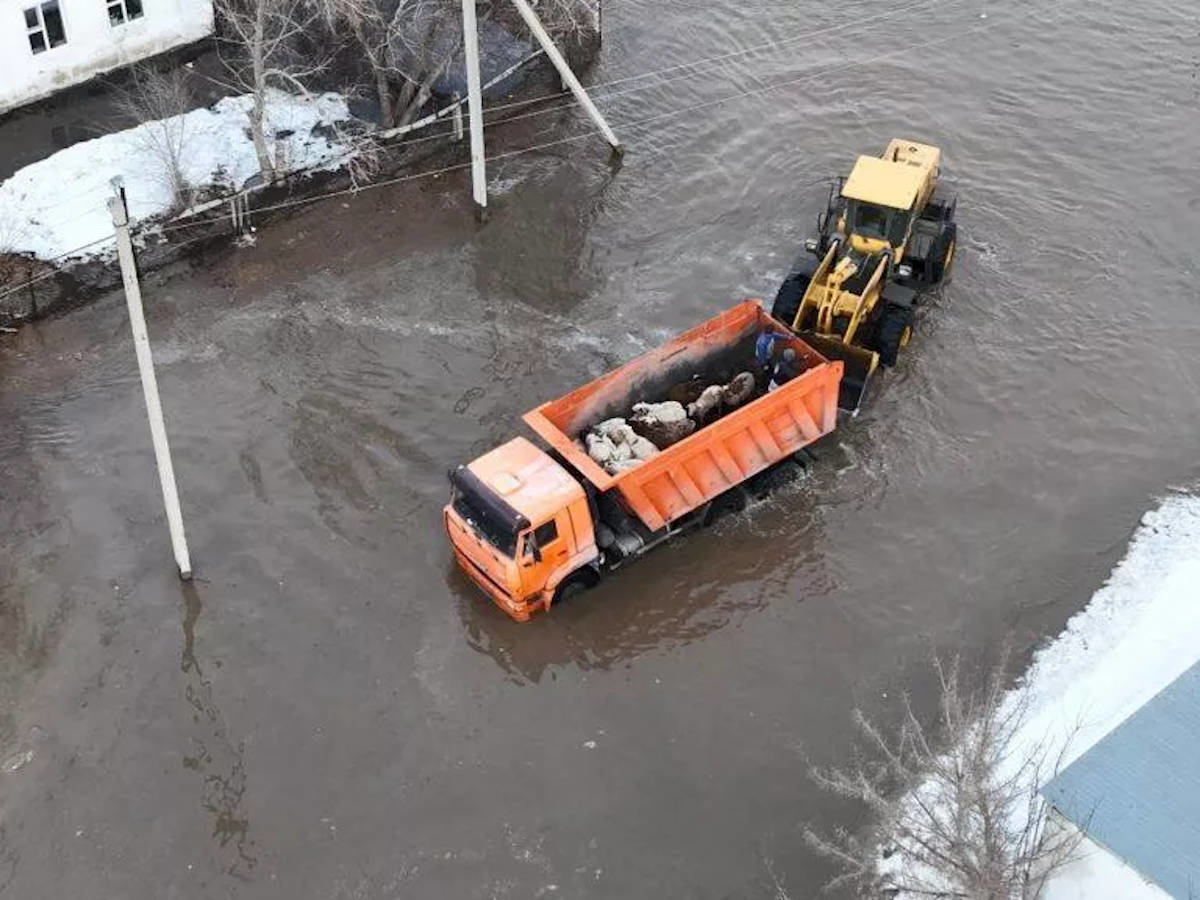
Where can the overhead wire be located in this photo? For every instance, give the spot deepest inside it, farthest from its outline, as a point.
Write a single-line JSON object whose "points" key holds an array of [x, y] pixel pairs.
{"points": [[779, 44], [746, 51], [638, 123], [685, 69], [649, 120], [52, 272]]}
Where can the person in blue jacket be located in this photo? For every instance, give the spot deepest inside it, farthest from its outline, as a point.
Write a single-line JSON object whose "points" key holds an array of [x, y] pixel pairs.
{"points": [[764, 348]]}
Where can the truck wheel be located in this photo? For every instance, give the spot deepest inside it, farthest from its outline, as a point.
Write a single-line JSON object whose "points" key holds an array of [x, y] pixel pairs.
{"points": [[575, 583], [943, 261], [894, 330], [787, 301]]}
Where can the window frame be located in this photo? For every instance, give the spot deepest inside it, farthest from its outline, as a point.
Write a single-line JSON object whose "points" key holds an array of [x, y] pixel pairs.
{"points": [[122, 8], [41, 30], [532, 543], [896, 222]]}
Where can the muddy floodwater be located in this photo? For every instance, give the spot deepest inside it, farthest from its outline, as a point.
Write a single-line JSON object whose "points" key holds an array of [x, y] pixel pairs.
{"points": [[330, 711]]}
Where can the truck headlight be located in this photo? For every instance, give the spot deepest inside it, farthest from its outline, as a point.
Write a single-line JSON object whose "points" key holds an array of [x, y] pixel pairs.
{"points": [[903, 271], [811, 245]]}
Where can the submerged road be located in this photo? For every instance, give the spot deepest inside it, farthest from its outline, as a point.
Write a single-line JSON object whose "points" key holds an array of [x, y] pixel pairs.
{"points": [[330, 711]]}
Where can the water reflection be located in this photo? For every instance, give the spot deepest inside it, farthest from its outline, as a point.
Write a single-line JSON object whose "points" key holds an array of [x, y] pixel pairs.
{"points": [[675, 595], [214, 756], [537, 247]]}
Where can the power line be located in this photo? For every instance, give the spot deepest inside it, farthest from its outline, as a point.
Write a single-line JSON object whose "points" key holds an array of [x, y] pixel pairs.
{"points": [[50, 274], [683, 70], [42, 277], [765, 89], [768, 46], [903, 51]]}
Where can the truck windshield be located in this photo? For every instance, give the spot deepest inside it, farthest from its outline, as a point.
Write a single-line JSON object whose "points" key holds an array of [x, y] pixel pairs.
{"points": [[477, 515]]}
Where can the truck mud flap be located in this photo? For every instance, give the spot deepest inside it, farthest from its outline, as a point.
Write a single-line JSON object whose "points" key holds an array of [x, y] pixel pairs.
{"points": [[859, 366]]}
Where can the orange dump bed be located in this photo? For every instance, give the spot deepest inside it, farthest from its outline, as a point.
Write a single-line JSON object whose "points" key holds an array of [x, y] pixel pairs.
{"points": [[717, 457]]}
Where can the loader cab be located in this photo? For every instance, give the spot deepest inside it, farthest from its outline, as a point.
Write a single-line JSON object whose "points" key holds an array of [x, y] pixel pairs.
{"points": [[881, 197], [520, 525]]}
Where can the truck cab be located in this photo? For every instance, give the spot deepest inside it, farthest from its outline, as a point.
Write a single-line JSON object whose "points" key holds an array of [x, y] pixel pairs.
{"points": [[520, 526]]}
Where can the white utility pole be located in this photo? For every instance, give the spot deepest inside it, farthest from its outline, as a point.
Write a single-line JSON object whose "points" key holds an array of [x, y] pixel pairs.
{"points": [[141, 346], [475, 104], [564, 72], [475, 98]]}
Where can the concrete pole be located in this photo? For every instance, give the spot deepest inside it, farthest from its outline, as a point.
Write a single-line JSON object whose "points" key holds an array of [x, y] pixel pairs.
{"points": [[475, 103], [141, 346], [564, 71]]}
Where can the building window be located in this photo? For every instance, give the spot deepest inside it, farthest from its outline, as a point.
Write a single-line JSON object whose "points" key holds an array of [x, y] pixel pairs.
{"points": [[44, 26], [121, 11]]}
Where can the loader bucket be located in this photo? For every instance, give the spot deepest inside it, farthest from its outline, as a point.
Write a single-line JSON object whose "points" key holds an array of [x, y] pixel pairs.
{"points": [[859, 366]]}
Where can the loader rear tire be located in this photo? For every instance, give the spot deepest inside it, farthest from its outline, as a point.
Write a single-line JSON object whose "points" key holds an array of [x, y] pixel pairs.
{"points": [[942, 264], [894, 329]]}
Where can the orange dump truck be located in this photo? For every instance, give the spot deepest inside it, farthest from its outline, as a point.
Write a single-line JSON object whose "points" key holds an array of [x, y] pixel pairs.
{"points": [[529, 525]]}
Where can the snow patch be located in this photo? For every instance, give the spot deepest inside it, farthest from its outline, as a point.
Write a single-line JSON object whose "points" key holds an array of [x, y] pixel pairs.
{"points": [[1095, 874], [53, 206], [1137, 634]]}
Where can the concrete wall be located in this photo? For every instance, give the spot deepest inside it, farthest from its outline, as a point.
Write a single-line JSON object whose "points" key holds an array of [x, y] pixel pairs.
{"points": [[93, 46]]}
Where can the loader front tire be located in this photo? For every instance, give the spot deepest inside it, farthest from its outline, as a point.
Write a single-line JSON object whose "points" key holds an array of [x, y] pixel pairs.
{"points": [[894, 329], [787, 301]]}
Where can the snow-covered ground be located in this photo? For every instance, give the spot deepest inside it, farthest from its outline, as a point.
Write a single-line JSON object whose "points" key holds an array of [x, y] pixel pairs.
{"points": [[1138, 633], [1095, 874], [58, 204]]}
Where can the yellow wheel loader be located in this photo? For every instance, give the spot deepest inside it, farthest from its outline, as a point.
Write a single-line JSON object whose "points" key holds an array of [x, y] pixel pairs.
{"points": [[887, 236]]}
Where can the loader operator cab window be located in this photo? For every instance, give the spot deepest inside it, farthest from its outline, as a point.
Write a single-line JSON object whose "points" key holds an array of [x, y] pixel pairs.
{"points": [[880, 222]]}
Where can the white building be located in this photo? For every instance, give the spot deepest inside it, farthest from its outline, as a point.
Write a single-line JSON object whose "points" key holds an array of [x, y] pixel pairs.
{"points": [[47, 45]]}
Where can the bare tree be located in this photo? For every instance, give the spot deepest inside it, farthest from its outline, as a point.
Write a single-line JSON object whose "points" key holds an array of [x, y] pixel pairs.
{"points": [[264, 37], [568, 19], [426, 39], [370, 23], [957, 811], [157, 100]]}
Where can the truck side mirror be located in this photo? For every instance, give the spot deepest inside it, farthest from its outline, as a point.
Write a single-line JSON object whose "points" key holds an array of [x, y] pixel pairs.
{"points": [[532, 548]]}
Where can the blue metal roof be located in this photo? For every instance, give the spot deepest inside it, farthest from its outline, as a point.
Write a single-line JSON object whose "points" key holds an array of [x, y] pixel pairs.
{"points": [[1137, 791]]}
